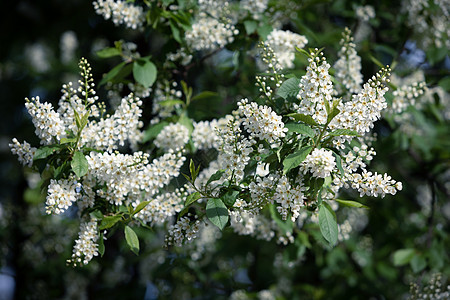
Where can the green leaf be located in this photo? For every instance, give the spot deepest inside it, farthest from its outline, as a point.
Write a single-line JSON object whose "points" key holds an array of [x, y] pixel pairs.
{"points": [[113, 73], [144, 72], [192, 170], [435, 55], [264, 31], [333, 114], [217, 212], [445, 83], [350, 203], [328, 225], [300, 128], [229, 198], [109, 221], [293, 160], [216, 176], [132, 239], [339, 163], [171, 102], [96, 215], [403, 256], [101, 245], [204, 95], [141, 206], [418, 263], [289, 88], [108, 52], [184, 120], [67, 140], [250, 26], [175, 31], [303, 118], [153, 131], [284, 225], [192, 198], [339, 132], [376, 61], [79, 164], [44, 152]]}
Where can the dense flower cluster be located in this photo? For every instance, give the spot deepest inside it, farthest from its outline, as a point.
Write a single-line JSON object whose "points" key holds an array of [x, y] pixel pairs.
{"points": [[61, 194], [284, 43], [172, 137], [86, 246], [255, 7], [348, 66], [182, 231], [365, 13], [261, 122], [320, 162], [121, 12], [210, 34], [316, 89]]}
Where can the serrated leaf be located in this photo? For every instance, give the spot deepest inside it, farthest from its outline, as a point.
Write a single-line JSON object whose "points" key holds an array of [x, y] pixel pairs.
{"points": [[418, 263], [293, 160], [144, 72], [403, 256], [339, 132], [132, 239], [250, 26], [43, 152], [300, 128], [328, 225], [303, 118], [217, 212], [111, 74], [153, 131], [108, 52], [350, 203], [289, 88], [216, 176], [109, 221], [79, 164], [101, 245], [192, 198], [141, 206]]}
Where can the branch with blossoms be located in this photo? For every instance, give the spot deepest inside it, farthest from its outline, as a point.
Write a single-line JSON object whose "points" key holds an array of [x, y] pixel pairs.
{"points": [[286, 153]]}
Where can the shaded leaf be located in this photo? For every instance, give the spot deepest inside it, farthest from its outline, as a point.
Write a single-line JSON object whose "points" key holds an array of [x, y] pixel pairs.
{"points": [[303, 118], [217, 212], [293, 160], [192, 198], [216, 176], [300, 128], [289, 88], [132, 239], [350, 203], [328, 225], [141, 206], [403, 256], [108, 52], [109, 221], [144, 72]]}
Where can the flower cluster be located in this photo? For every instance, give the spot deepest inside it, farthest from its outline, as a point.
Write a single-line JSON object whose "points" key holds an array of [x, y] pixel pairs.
{"points": [[24, 152], [61, 194], [320, 162], [284, 43], [210, 34], [255, 7], [86, 246], [121, 12], [172, 137], [261, 122], [316, 89], [348, 66], [365, 13], [182, 231]]}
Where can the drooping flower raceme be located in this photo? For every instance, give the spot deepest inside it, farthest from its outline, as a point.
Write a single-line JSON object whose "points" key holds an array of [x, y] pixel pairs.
{"points": [[61, 194], [86, 246], [320, 162]]}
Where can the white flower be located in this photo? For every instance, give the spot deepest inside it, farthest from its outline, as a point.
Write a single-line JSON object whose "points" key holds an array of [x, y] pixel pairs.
{"points": [[283, 44], [320, 162], [121, 12], [24, 152], [209, 34], [61, 194], [173, 136], [86, 246]]}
